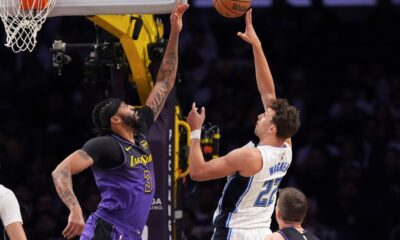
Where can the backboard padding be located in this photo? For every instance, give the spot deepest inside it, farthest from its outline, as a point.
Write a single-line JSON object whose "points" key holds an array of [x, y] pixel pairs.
{"points": [[107, 7]]}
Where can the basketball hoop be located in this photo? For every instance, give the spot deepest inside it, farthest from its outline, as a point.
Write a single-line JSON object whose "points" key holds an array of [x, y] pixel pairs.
{"points": [[22, 20]]}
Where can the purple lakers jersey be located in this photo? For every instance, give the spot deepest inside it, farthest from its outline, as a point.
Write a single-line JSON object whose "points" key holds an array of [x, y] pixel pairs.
{"points": [[127, 191]]}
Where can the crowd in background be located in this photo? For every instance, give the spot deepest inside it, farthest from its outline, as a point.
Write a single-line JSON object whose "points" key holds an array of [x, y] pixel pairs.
{"points": [[338, 66]]}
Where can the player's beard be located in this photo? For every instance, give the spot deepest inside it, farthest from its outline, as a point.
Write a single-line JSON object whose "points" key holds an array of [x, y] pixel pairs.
{"points": [[131, 121]]}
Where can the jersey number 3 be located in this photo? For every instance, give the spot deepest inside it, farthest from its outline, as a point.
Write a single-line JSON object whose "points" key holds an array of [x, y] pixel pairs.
{"points": [[267, 196], [147, 177]]}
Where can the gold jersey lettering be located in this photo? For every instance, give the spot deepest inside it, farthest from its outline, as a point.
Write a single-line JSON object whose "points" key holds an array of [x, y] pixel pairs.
{"points": [[144, 144], [144, 160]]}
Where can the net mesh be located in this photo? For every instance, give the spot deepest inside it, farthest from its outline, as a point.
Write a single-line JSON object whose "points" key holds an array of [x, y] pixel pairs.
{"points": [[22, 20]]}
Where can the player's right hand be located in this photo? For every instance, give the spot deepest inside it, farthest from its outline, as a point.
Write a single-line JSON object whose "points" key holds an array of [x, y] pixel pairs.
{"points": [[250, 34], [75, 224], [194, 119], [176, 17]]}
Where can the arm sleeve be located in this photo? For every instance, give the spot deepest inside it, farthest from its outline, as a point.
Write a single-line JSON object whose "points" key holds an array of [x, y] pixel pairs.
{"points": [[146, 119], [9, 208], [105, 152]]}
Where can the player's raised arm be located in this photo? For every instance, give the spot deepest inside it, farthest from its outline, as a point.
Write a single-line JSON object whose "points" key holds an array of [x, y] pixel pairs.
{"points": [[239, 160], [265, 82], [167, 72]]}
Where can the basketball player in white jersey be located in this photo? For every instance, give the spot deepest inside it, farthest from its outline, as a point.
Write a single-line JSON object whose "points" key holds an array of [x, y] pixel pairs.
{"points": [[254, 171], [10, 215]]}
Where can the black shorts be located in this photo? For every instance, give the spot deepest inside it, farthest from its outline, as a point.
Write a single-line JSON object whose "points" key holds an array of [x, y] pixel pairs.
{"points": [[220, 234]]}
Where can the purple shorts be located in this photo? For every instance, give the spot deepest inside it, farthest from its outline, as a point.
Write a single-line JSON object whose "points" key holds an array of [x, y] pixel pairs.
{"points": [[97, 228]]}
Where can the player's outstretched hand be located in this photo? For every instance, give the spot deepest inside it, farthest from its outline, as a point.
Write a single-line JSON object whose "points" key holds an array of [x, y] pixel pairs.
{"points": [[194, 119], [176, 17], [250, 34]]}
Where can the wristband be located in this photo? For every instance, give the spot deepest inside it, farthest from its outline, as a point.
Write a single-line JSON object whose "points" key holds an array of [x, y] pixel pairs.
{"points": [[195, 134]]}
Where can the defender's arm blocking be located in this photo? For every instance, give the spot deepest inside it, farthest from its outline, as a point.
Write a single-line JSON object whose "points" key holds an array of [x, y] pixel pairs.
{"points": [[167, 73]]}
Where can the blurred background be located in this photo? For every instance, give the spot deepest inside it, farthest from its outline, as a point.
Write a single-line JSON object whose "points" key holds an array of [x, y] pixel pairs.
{"points": [[338, 64]]}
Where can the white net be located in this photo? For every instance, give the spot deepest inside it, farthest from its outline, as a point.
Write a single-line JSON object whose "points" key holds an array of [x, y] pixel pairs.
{"points": [[22, 20]]}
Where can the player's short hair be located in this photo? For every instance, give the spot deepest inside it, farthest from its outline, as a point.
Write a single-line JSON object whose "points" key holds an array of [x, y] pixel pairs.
{"points": [[292, 204], [286, 118], [102, 113]]}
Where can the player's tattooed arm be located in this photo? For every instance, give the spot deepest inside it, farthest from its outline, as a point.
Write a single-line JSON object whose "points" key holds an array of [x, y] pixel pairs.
{"points": [[62, 176], [63, 182], [167, 73], [165, 78]]}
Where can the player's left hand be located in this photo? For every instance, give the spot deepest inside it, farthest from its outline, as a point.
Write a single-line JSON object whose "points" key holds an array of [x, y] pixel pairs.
{"points": [[176, 17], [75, 224], [194, 119]]}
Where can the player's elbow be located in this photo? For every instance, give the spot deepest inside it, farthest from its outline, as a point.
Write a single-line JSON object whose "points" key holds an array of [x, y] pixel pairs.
{"points": [[56, 173], [268, 98], [15, 231], [194, 176], [197, 176]]}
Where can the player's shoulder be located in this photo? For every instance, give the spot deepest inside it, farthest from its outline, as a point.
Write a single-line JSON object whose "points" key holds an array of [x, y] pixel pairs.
{"points": [[101, 142], [247, 160], [102, 139], [6, 195], [275, 236], [247, 152], [3, 190], [250, 144]]}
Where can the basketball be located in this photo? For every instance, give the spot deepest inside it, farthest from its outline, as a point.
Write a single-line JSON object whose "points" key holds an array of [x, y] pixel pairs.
{"points": [[33, 4], [232, 8]]}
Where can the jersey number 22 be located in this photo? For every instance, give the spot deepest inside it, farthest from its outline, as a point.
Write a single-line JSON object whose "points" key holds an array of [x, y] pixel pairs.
{"points": [[267, 196]]}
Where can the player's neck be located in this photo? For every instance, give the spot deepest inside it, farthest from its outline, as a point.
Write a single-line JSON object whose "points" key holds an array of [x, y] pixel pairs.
{"points": [[274, 142], [127, 135], [297, 226]]}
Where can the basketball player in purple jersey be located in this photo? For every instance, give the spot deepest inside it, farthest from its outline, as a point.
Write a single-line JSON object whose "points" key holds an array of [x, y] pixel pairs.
{"points": [[290, 211], [255, 171], [120, 158]]}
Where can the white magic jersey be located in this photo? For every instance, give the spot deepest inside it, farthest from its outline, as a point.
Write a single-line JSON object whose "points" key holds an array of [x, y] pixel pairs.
{"points": [[247, 203]]}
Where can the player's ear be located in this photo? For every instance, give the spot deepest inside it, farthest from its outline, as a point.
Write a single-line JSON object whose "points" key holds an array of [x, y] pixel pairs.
{"points": [[272, 129], [277, 214], [115, 119]]}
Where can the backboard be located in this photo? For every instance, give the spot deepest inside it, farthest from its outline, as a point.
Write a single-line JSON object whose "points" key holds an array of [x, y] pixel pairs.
{"points": [[102, 7], [23, 21], [110, 7]]}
